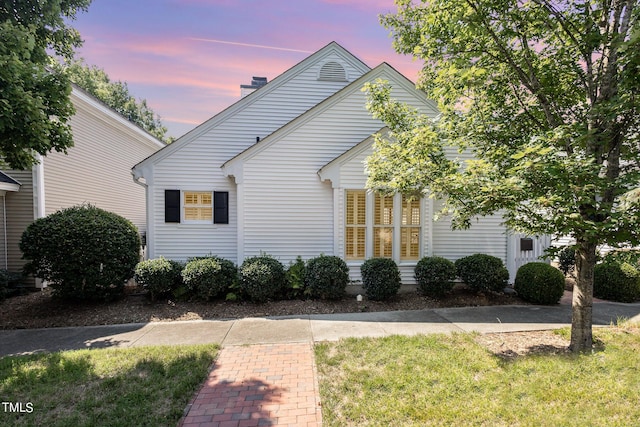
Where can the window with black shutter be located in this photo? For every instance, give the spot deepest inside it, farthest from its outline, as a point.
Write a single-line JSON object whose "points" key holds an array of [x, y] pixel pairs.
{"points": [[221, 207], [171, 205]]}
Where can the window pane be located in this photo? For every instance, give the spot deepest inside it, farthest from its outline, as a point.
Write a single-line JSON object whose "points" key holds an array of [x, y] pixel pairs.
{"points": [[383, 212], [410, 243], [410, 211], [198, 206], [355, 230], [383, 242]]}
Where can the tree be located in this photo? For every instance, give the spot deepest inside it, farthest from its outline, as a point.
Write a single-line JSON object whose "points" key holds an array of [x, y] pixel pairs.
{"points": [[116, 95], [34, 101], [546, 95]]}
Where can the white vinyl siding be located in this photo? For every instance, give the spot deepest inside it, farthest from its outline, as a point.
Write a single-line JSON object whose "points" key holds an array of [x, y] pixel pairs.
{"points": [[20, 213], [196, 162]]}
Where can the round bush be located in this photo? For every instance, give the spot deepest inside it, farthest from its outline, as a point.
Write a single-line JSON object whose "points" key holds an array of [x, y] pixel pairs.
{"points": [[159, 276], [380, 278], [482, 272], [83, 252], [327, 277], [616, 282], [262, 278], [539, 283], [435, 276], [207, 278]]}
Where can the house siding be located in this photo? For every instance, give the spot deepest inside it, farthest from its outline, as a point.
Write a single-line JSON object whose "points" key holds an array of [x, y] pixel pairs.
{"points": [[20, 213], [97, 169], [196, 164]]}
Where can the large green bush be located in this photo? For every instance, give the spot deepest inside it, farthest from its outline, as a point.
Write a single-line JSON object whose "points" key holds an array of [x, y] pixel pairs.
{"points": [[209, 277], [482, 272], [327, 277], [380, 278], [159, 276], [435, 276], [83, 252], [539, 283], [262, 278], [616, 282]]}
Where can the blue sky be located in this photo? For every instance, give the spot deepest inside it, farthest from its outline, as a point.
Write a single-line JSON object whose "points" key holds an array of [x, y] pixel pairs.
{"points": [[188, 58]]}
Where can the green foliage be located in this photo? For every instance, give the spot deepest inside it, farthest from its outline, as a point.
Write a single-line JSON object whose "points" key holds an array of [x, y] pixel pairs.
{"points": [[209, 277], [84, 252], [116, 95], [295, 279], [380, 278], [159, 276], [482, 272], [435, 276], [539, 283], [567, 260], [32, 95], [615, 281], [262, 278], [327, 277], [630, 256]]}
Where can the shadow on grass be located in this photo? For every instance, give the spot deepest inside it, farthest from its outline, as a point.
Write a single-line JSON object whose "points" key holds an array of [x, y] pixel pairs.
{"points": [[148, 386]]}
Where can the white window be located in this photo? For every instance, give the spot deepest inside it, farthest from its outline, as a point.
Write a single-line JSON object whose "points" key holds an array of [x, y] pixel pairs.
{"points": [[356, 225], [198, 205]]}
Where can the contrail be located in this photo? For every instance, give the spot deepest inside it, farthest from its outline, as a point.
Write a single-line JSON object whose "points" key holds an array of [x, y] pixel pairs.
{"points": [[249, 45]]}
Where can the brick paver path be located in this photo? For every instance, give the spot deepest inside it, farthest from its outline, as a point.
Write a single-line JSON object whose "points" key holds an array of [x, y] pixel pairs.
{"points": [[259, 385]]}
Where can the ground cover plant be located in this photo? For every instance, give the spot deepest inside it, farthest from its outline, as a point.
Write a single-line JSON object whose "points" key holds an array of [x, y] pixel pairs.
{"points": [[146, 386], [453, 380]]}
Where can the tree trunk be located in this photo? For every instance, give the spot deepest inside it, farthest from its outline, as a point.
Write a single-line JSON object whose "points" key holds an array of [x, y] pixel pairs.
{"points": [[582, 304]]}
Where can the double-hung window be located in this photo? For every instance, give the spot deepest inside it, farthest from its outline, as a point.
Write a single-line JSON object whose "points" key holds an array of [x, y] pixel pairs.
{"points": [[410, 229], [198, 206], [383, 226], [355, 224]]}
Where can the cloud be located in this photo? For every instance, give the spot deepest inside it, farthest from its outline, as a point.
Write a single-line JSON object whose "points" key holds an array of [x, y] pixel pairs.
{"points": [[249, 45]]}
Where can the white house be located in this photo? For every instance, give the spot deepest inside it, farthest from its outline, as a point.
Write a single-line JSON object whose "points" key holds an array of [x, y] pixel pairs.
{"points": [[281, 172], [95, 170]]}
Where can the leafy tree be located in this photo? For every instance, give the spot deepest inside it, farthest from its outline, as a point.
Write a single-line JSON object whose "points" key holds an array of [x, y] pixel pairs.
{"points": [[116, 95], [546, 96], [34, 101]]}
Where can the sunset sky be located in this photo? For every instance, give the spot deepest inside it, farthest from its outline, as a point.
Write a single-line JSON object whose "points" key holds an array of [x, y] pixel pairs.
{"points": [[188, 58]]}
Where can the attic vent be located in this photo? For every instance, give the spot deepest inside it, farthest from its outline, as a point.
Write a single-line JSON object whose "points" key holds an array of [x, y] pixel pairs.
{"points": [[332, 72]]}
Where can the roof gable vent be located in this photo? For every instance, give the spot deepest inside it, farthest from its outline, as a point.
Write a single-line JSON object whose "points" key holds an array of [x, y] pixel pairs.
{"points": [[332, 72]]}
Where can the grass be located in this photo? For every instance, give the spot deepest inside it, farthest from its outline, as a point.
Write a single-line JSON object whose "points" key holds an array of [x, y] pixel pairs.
{"points": [[146, 386], [451, 380]]}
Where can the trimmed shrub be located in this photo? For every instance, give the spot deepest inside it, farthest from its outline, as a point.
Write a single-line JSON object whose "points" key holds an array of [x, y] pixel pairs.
{"points": [[567, 260], [539, 283], [83, 252], [262, 278], [482, 272], [616, 282], [327, 277], [209, 277], [159, 276], [380, 278], [435, 276], [295, 287]]}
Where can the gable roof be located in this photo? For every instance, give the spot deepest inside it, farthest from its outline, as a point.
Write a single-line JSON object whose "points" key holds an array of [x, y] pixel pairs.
{"points": [[253, 97], [381, 70]]}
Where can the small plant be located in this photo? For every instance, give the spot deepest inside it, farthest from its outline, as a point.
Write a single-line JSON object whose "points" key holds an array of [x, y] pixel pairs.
{"points": [[159, 276], [567, 260], [615, 281], [435, 276], [295, 279], [262, 278], [380, 278], [327, 277], [482, 272], [539, 283], [209, 277], [83, 252]]}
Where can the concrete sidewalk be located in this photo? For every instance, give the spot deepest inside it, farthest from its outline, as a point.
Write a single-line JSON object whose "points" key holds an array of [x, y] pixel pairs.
{"points": [[307, 328]]}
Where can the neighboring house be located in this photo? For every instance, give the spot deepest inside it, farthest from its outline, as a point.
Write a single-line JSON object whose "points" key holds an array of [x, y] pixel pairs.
{"points": [[96, 170], [281, 172]]}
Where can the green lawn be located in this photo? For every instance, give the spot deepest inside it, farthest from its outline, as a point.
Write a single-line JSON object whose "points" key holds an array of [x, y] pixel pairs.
{"points": [[147, 386], [452, 381]]}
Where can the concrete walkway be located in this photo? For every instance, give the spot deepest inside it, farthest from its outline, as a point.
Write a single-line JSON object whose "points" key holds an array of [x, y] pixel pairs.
{"points": [[265, 372]]}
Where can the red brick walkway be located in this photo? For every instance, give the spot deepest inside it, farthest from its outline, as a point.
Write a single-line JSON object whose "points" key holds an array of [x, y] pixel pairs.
{"points": [[259, 385]]}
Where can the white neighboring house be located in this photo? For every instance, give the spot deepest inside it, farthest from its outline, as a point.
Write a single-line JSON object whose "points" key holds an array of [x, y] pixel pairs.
{"points": [[281, 172], [96, 170]]}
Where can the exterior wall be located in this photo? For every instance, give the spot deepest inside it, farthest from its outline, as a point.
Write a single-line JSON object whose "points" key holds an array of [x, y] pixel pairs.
{"points": [[97, 169], [196, 164], [3, 234], [20, 213]]}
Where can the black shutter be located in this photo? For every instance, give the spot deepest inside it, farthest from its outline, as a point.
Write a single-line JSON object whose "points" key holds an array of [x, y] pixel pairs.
{"points": [[171, 205], [221, 207]]}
